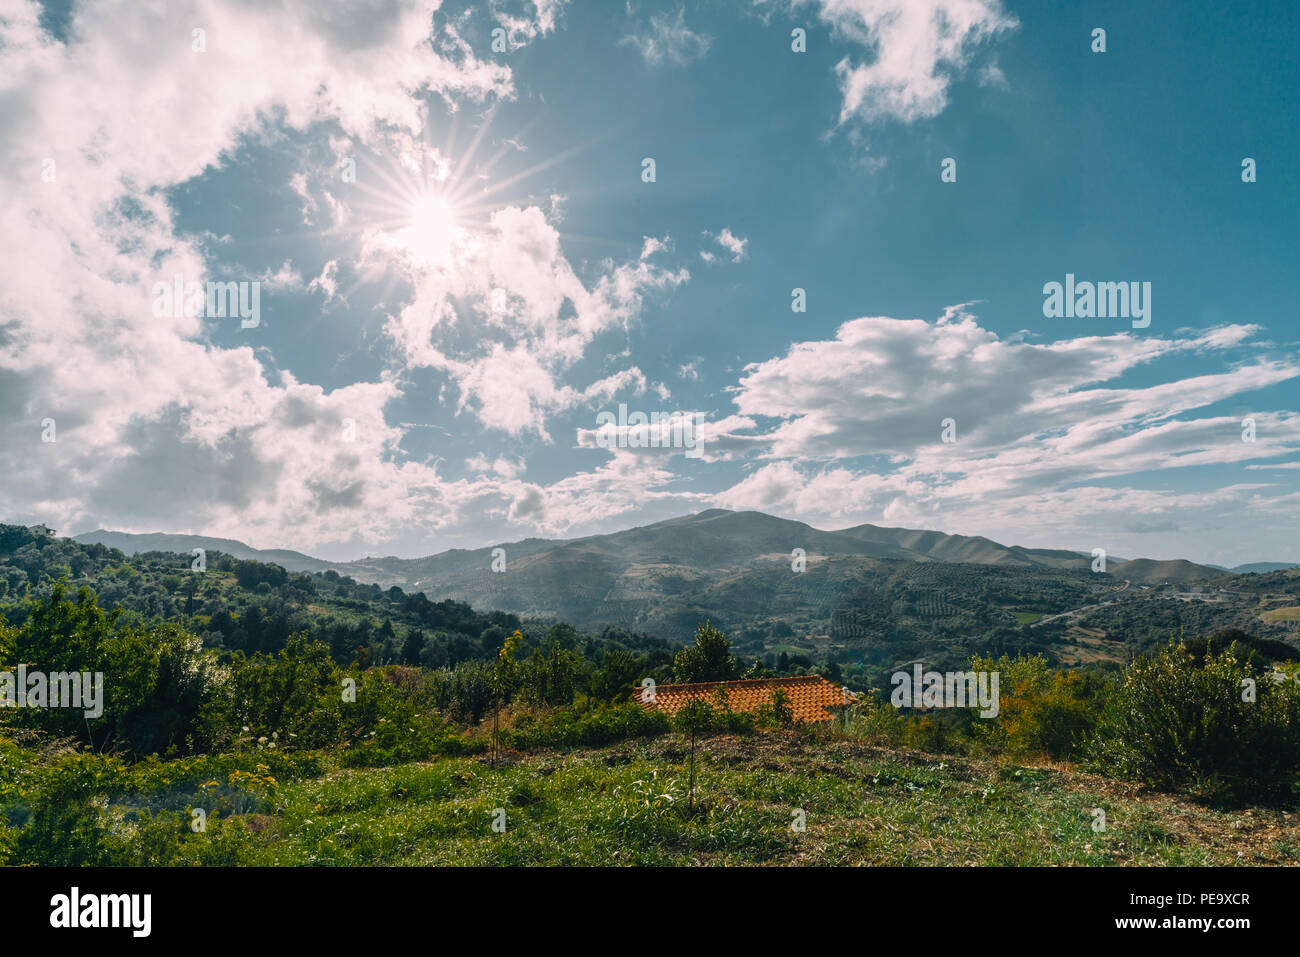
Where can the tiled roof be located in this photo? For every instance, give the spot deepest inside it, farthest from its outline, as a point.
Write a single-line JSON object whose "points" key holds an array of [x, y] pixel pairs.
{"points": [[809, 696]]}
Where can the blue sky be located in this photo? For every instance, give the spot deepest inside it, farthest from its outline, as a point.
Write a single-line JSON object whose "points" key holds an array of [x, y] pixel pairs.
{"points": [[499, 274]]}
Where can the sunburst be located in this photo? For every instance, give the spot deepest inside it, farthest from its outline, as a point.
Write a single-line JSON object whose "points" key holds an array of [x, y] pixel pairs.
{"points": [[433, 229], [423, 205]]}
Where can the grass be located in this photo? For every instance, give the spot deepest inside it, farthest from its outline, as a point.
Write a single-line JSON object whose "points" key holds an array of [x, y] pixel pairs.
{"points": [[628, 804], [1028, 617], [1291, 613]]}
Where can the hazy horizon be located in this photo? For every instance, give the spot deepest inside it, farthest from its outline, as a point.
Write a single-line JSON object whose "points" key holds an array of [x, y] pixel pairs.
{"points": [[433, 550]]}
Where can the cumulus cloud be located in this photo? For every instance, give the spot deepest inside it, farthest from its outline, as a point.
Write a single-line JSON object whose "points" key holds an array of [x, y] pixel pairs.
{"points": [[1046, 433], [154, 426], [912, 51], [531, 317]]}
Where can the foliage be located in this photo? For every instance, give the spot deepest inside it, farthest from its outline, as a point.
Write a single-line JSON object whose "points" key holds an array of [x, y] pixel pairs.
{"points": [[1042, 712], [778, 713], [591, 726], [709, 659], [1179, 723], [155, 680]]}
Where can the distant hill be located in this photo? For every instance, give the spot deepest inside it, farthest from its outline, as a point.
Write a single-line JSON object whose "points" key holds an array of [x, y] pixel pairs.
{"points": [[131, 543], [664, 576], [1147, 571], [709, 540], [1260, 568]]}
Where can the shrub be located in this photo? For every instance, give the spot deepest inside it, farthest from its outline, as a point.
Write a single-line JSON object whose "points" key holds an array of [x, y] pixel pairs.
{"points": [[777, 713], [924, 733], [156, 680], [584, 726], [1042, 712], [66, 825], [875, 721], [1178, 724]]}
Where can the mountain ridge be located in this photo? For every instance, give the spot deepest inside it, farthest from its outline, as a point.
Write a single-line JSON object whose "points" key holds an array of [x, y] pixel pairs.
{"points": [[864, 583], [712, 538]]}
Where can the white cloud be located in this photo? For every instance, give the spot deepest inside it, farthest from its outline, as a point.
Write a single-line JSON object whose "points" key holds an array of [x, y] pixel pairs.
{"points": [[156, 427], [732, 246], [327, 281], [912, 51], [667, 39], [1049, 441], [533, 317]]}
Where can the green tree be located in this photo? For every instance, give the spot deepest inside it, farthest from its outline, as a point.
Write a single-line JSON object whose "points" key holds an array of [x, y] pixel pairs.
{"points": [[155, 680], [550, 679], [617, 675], [504, 678], [709, 659], [276, 695]]}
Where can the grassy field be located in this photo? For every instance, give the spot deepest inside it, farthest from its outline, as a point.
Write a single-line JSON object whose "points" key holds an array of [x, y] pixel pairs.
{"points": [[628, 804], [1291, 613], [1028, 617]]}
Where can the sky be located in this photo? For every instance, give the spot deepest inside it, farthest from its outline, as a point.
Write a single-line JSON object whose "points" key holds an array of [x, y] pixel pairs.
{"points": [[835, 269]]}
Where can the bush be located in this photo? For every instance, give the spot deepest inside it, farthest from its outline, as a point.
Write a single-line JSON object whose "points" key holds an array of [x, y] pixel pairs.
{"points": [[1041, 713], [924, 733], [66, 825], [156, 680], [875, 721], [777, 713], [1178, 724], [584, 727]]}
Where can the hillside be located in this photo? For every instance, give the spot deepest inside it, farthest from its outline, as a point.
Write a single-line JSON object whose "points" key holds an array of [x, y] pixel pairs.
{"points": [[1149, 572], [242, 605], [727, 565], [232, 705], [135, 544], [1259, 568], [711, 541], [627, 805]]}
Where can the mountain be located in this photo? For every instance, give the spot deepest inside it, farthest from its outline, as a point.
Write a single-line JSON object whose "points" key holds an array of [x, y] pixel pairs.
{"points": [[667, 575]]}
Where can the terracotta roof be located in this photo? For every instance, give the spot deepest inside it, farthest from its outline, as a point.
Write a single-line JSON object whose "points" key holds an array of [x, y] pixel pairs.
{"points": [[809, 696]]}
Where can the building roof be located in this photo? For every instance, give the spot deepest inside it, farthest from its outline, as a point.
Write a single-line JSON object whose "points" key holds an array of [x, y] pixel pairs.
{"points": [[809, 696]]}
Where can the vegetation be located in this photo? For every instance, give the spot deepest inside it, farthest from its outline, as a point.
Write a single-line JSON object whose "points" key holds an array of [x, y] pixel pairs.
{"points": [[214, 748], [1218, 727], [627, 805]]}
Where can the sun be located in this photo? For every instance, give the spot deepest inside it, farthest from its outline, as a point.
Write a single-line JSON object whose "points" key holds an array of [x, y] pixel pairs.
{"points": [[433, 228], [426, 207], [433, 217]]}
